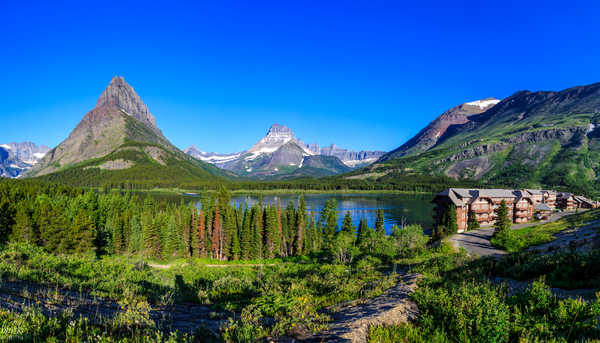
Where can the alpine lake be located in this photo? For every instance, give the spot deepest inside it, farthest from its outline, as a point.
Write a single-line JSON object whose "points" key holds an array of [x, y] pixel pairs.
{"points": [[399, 208]]}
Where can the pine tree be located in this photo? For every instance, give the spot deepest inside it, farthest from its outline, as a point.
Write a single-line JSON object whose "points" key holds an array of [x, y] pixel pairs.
{"points": [[329, 218], [23, 229], [270, 233], [347, 225], [235, 244], [503, 222], [172, 246], [283, 229], [290, 231], [215, 244], [362, 230], [80, 238], [300, 226], [246, 235], [113, 225], [473, 223], [52, 225], [136, 241], [380, 222], [257, 231], [199, 236], [451, 220]]}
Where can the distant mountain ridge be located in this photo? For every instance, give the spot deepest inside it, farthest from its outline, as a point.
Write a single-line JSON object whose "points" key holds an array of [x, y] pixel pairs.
{"points": [[18, 158], [280, 152], [529, 139], [119, 142]]}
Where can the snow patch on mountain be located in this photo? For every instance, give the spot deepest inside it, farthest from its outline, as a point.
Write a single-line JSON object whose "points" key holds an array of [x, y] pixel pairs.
{"points": [[483, 103]]}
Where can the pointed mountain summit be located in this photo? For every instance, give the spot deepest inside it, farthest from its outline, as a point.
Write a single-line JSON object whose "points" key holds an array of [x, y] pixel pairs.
{"points": [[120, 94], [277, 136], [120, 135]]}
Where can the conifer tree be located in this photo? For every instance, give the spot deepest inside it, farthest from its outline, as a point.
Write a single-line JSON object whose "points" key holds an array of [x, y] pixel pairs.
{"points": [[246, 235], [362, 230], [503, 222], [257, 230], [380, 222], [172, 239], [348, 225], [282, 221], [215, 244], [473, 223], [235, 244], [136, 242], [23, 229], [300, 226], [81, 236], [451, 220], [328, 219]]}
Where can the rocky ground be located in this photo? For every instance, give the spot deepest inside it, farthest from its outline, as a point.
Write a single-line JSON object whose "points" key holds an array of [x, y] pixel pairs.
{"points": [[350, 322], [17, 296]]}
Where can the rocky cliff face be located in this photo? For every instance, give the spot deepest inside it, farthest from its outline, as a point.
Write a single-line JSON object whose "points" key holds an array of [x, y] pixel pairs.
{"points": [[351, 158], [121, 95], [17, 158]]}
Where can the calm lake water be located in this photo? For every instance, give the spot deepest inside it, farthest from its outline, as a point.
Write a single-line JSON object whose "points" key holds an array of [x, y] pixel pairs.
{"points": [[397, 208]]}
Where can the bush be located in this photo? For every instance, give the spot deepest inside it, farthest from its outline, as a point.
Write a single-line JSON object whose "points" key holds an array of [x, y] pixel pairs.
{"points": [[409, 240]]}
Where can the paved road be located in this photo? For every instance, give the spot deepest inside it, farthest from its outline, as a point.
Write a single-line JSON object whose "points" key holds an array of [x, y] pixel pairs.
{"points": [[477, 242]]}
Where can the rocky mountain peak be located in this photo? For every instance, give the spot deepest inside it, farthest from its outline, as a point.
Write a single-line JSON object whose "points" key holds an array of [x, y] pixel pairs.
{"points": [[277, 136], [122, 95]]}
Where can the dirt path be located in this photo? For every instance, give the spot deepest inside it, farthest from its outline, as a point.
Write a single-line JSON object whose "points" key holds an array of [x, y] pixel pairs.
{"points": [[167, 266], [350, 323], [477, 242]]}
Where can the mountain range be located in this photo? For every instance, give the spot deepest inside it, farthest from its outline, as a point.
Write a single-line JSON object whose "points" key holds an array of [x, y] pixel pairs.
{"points": [[547, 139], [529, 139], [17, 158], [280, 154]]}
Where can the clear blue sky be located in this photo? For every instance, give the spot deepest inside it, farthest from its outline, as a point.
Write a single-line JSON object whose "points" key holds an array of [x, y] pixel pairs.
{"points": [[362, 74]]}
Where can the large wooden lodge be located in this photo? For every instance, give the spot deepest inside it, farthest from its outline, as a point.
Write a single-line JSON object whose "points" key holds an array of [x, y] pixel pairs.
{"points": [[522, 204]]}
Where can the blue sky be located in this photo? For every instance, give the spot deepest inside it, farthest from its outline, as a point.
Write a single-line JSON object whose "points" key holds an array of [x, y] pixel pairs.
{"points": [[361, 74]]}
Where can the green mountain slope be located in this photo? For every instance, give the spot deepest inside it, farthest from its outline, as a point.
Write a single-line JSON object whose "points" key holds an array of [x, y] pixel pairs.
{"points": [[530, 139]]}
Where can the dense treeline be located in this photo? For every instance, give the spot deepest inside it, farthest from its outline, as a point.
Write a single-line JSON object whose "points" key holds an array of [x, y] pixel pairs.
{"points": [[71, 220], [153, 177]]}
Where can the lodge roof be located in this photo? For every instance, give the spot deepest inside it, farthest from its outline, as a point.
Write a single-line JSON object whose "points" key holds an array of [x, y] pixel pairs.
{"points": [[542, 207], [535, 191], [462, 196], [583, 199]]}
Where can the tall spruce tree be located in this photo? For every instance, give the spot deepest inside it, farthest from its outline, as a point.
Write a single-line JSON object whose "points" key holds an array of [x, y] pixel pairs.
{"points": [[23, 229], [246, 235], [329, 218], [380, 221], [363, 229], [347, 225], [503, 222], [300, 226]]}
